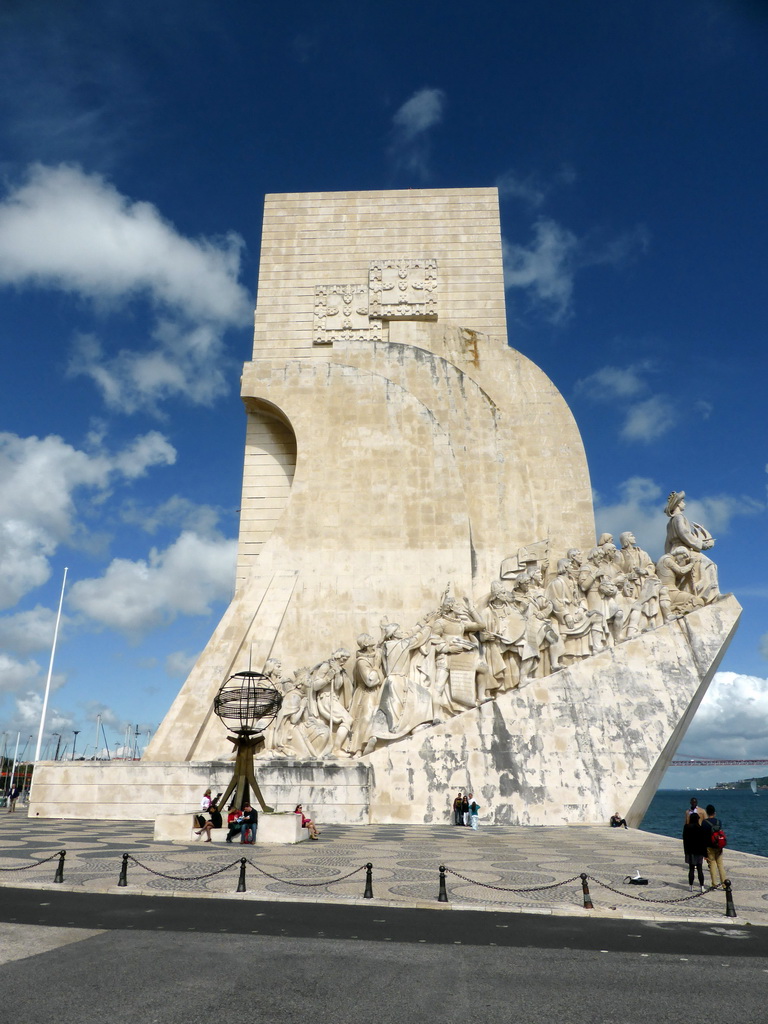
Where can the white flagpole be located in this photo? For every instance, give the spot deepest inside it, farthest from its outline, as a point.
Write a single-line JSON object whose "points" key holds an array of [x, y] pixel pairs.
{"points": [[15, 761], [50, 670]]}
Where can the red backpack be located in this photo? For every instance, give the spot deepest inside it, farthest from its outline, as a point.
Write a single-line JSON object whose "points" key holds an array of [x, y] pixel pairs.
{"points": [[717, 839]]}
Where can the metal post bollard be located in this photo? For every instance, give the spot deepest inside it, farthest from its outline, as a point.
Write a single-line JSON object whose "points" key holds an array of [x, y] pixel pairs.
{"points": [[123, 879], [59, 876], [368, 894], [442, 896], [730, 910], [585, 890], [241, 879]]}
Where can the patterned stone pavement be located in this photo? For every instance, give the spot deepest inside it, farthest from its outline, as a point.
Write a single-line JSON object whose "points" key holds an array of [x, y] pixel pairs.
{"points": [[541, 864]]}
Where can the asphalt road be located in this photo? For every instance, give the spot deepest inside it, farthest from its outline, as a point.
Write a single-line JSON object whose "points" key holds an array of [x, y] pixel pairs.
{"points": [[118, 958]]}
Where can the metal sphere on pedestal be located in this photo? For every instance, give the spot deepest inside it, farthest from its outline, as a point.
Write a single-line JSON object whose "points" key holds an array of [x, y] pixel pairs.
{"points": [[247, 702]]}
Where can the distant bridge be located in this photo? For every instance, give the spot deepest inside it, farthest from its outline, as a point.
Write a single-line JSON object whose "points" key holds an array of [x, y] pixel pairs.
{"points": [[701, 762]]}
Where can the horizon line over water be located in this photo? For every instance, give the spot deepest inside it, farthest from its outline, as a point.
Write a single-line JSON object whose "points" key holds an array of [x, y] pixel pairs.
{"points": [[743, 814]]}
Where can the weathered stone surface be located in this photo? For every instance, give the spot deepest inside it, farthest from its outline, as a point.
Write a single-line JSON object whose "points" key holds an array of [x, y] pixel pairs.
{"points": [[574, 746]]}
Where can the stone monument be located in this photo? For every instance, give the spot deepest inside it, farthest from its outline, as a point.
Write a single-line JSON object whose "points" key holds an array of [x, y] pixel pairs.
{"points": [[417, 567]]}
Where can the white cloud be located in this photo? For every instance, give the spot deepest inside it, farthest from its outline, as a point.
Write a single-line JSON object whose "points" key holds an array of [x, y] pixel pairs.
{"points": [[40, 479], [419, 113], [512, 186], [732, 719], [74, 231], [29, 707], [548, 265], [16, 675], [188, 362], [176, 511], [645, 418], [136, 596], [545, 268], [611, 383], [30, 631], [179, 664], [650, 419], [410, 125], [640, 508], [68, 230]]}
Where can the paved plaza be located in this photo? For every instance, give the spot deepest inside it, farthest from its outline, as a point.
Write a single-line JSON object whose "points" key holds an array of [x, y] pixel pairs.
{"points": [[498, 868]]}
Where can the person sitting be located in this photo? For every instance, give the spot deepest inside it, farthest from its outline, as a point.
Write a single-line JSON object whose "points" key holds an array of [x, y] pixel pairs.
{"points": [[250, 824], [234, 822], [307, 823], [214, 821], [617, 821]]}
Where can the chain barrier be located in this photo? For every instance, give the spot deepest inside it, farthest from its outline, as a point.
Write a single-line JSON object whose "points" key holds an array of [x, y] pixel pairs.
{"points": [[219, 871], [290, 881], [502, 888], [646, 899], [34, 863], [585, 877], [183, 878]]}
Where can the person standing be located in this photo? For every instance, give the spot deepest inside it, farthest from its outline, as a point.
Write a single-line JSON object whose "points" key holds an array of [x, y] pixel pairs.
{"points": [[694, 809], [710, 825], [474, 810], [13, 796], [694, 848], [457, 817], [465, 810]]}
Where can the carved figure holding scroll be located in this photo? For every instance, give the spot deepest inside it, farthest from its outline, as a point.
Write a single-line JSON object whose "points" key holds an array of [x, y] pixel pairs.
{"points": [[470, 681], [681, 532]]}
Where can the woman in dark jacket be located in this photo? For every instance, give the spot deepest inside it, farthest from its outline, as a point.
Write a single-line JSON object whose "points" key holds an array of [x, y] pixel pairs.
{"points": [[695, 849]]}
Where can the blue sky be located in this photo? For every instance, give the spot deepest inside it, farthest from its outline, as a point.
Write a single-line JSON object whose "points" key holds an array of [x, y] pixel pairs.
{"points": [[629, 144]]}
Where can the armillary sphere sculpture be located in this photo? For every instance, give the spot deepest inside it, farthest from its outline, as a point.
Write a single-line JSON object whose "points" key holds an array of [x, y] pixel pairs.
{"points": [[250, 700]]}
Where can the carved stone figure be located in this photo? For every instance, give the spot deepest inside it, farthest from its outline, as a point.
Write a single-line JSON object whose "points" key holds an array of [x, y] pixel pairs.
{"points": [[676, 571], [330, 693], [602, 595], [367, 679], [650, 607], [540, 644], [581, 630], [681, 532], [405, 702], [469, 678], [290, 725], [504, 626], [458, 657]]}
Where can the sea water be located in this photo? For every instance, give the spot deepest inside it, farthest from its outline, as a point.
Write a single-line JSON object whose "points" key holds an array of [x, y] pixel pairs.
{"points": [[743, 814]]}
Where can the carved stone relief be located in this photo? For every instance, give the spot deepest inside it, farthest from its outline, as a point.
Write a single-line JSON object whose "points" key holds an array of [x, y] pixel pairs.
{"points": [[532, 623], [403, 289], [342, 314]]}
